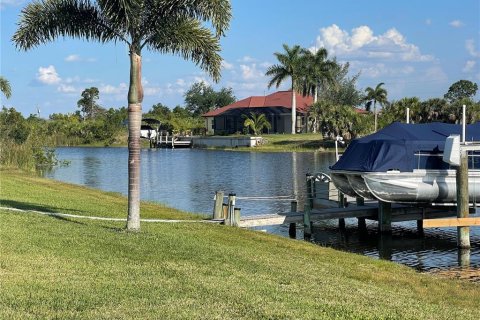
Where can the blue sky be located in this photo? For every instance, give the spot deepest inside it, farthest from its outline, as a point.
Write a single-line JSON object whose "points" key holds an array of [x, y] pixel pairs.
{"points": [[418, 48]]}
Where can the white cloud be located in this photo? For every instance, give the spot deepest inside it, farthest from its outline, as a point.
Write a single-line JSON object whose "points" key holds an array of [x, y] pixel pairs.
{"points": [[151, 91], [72, 58], [246, 59], [456, 23], [122, 88], [361, 36], [226, 65], [48, 75], [250, 72], [180, 83], [78, 58], [361, 42], [10, 3], [470, 46], [435, 73], [469, 66], [66, 88], [381, 70]]}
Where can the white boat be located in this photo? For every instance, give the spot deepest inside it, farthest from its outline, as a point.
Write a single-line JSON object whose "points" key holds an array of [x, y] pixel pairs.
{"points": [[147, 132], [403, 163], [419, 186]]}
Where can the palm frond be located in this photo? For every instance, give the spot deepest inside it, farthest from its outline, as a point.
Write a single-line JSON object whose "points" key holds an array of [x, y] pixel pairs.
{"points": [[126, 13], [43, 22], [278, 74], [217, 12], [5, 87], [191, 41]]}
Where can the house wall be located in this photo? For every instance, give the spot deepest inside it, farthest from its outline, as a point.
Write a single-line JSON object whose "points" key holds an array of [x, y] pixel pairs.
{"points": [[281, 123], [209, 125]]}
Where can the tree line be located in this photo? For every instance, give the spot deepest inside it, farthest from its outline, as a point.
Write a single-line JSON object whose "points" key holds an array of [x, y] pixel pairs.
{"points": [[29, 140]]}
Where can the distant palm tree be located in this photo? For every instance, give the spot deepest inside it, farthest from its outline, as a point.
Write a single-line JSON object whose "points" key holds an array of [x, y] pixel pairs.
{"points": [[5, 87], [288, 67], [168, 26], [379, 95], [316, 71], [257, 122]]}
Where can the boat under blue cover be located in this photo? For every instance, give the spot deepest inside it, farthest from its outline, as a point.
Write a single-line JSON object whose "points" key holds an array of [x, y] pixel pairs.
{"points": [[404, 163], [403, 147]]}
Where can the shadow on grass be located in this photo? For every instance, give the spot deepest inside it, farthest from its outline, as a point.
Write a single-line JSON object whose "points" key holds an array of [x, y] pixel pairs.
{"points": [[36, 207], [67, 220], [114, 229]]}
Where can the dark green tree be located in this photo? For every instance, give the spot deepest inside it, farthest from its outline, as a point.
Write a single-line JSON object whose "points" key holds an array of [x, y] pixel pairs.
{"points": [[397, 111], [88, 103], [13, 126], [289, 67], [460, 90], [343, 90], [201, 98], [159, 111], [169, 26]]}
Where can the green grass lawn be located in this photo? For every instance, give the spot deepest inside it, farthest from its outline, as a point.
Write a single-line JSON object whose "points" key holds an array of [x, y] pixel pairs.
{"points": [[30, 192], [52, 268]]}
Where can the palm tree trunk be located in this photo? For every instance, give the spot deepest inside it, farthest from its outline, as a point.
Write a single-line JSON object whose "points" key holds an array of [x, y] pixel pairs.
{"points": [[135, 98], [375, 113], [294, 111]]}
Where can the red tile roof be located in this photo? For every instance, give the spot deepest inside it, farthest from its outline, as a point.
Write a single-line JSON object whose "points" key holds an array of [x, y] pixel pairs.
{"points": [[279, 99]]}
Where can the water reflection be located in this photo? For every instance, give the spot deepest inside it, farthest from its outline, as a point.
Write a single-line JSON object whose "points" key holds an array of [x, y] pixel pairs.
{"points": [[91, 166], [187, 179]]}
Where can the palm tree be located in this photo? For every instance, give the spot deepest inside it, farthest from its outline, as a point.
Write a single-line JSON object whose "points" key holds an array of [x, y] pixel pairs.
{"points": [[288, 67], [257, 122], [166, 26], [5, 87], [379, 95], [316, 71]]}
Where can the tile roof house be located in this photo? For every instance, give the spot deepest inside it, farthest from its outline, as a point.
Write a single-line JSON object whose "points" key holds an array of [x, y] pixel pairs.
{"points": [[276, 106]]}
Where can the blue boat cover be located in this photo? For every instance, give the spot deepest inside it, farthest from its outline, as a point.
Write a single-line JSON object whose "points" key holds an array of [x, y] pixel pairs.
{"points": [[402, 147]]}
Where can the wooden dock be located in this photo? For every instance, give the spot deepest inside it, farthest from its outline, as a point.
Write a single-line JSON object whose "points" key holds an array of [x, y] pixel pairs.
{"points": [[173, 141], [367, 211]]}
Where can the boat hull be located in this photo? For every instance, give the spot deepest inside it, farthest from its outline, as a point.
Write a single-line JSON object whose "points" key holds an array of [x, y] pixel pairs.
{"points": [[419, 186]]}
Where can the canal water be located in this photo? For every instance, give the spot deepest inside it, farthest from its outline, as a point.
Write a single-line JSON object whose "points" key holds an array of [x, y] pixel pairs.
{"points": [[264, 183]]}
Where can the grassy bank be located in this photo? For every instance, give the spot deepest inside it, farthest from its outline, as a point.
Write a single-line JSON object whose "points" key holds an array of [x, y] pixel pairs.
{"points": [[25, 191], [304, 142], [66, 268]]}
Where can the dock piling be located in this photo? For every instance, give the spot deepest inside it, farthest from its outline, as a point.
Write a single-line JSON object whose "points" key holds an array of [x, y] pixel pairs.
{"points": [[310, 196], [342, 203], [463, 233], [362, 223], [229, 221], [307, 222], [384, 217], [236, 217], [218, 202], [464, 257], [420, 227], [292, 228]]}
